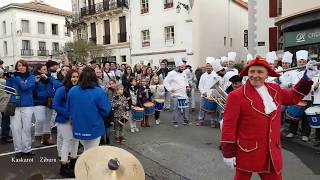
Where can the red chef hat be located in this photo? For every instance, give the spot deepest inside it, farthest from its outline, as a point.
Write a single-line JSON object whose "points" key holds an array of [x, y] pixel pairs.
{"points": [[261, 62]]}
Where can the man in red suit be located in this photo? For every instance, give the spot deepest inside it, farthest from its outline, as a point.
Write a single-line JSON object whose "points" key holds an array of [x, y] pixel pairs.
{"points": [[251, 121]]}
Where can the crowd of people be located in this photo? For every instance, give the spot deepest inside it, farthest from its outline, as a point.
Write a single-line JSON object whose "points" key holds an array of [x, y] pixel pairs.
{"points": [[86, 103]]}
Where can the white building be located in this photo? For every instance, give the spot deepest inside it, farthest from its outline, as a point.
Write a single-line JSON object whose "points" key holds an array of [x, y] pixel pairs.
{"points": [[32, 31], [201, 29], [104, 22]]}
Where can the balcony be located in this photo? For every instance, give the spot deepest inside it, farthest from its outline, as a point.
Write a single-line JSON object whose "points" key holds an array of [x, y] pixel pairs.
{"points": [[106, 39], [93, 40], [122, 37], [43, 53], [55, 53], [144, 10], [168, 5], [26, 52], [145, 43], [104, 6]]}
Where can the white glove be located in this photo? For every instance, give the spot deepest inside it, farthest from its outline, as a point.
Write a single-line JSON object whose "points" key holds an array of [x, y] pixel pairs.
{"points": [[230, 162], [311, 69]]}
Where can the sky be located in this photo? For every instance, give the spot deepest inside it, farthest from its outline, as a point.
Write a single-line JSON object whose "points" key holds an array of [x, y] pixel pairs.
{"points": [[61, 4]]}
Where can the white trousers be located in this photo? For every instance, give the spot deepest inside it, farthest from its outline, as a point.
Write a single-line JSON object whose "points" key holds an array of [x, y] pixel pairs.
{"points": [[133, 124], [53, 117], [168, 101], [192, 99], [65, 142], [21, 129], [88, 144], [42, 115]]}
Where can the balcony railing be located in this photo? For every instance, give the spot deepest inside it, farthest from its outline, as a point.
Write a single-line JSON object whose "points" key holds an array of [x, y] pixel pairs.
{"points": [[106, 5], [93, 40], [106, 39], [26, 52], [55, 52], [43, 53], [145, 43], [122, 37], [168, 5]]}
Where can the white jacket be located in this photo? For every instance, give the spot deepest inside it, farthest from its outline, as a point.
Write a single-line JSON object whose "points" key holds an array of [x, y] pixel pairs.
{"points": [[316, 91], [207, 81], [285, 79], [176, 83], [158, 91]]}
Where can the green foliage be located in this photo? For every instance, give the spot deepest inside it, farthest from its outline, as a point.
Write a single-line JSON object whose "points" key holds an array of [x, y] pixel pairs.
{"points": [[83, 51]]}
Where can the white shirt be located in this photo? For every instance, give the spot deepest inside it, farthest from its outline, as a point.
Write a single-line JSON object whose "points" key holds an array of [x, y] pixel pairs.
{"points": [[269, 105], [207, 81], [176, 82]]}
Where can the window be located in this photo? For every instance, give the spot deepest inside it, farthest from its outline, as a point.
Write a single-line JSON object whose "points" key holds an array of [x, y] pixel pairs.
{"points": [[230, 42], [123, 58], [42, 45], [26, 45], [168, 4], [4, 27], [54, 29], [41, 28], [169, 35], [145, 36], [25, 26], [55, 46], [5, 48], [144, 6]]}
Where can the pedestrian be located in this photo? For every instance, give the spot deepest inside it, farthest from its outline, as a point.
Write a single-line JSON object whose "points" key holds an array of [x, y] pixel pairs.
{"points": [[162, 73], [63, 72], [66, 143], [236, 82], [158, 91], [120, 110], [88, 106], [144, 99], [192, 84], [43, 93], [24, 83], [132, 91], [126, 77], [251, 121], [177, 84]]}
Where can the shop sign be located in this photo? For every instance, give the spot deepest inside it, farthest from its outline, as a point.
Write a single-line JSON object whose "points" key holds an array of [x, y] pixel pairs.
{"points": [[298, 38]]}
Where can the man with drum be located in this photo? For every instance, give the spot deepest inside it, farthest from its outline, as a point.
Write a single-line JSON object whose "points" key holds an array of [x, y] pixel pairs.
{"points": [[207, 80], [251, 122], [292, 115], [177, 84]]}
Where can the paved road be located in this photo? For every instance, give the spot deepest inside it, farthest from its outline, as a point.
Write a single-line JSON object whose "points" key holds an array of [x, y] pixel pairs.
{"points": [[167, 153]]}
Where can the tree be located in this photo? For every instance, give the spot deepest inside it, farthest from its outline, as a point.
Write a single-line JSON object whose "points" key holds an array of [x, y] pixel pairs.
{"points": [[83, 51]]}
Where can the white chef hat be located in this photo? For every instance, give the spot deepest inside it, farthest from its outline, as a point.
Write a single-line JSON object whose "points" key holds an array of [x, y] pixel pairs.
{"points": [[216, 65], [302, 54], [178, 61], [209, 60], [232, 56], [271, 57], [145, 62], [224, 59], [287, 57], [249, 57]]}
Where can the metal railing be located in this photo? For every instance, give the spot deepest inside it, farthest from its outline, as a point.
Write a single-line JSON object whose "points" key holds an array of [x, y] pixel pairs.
{"points": [[106, 5], [26, 52], [43, 53]]}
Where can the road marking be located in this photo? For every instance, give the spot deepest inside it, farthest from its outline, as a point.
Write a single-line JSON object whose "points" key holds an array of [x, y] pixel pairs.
{"points": [[33, 149]]}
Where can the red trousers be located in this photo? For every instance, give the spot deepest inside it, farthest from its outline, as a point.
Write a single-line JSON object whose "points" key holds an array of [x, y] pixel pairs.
{"points": [[243, 175]]}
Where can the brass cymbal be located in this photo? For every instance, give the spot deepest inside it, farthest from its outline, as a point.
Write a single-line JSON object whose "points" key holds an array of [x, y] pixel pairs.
{"points": [[97, 164]]}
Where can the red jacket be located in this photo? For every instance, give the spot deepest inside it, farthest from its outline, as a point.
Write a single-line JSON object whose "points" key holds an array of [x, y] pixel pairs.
{"points": [[252, 136]]}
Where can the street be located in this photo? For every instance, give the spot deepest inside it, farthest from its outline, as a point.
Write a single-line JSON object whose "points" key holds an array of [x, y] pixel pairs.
{"points": [[186, 152]]}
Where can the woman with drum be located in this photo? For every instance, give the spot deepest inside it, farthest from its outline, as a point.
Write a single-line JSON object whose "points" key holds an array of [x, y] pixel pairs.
{"points": [[88, 106], [144, 98], [158, 91]]}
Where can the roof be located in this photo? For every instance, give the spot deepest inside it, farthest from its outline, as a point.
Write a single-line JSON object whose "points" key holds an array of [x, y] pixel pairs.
{"points": [[38, 6], [280, 20], [242, 3]]}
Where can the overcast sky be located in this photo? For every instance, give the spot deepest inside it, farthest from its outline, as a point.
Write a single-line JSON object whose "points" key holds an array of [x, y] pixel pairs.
{"points": [[61, 4]]}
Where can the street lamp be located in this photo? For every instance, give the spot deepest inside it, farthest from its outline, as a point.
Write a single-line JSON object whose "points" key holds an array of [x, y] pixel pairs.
{"points": [[185, 6]]}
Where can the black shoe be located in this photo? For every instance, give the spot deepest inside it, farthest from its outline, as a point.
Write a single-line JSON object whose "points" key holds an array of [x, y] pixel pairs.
{"points": [[29, 154], [18, 155], [72, 163], [66, 172]]}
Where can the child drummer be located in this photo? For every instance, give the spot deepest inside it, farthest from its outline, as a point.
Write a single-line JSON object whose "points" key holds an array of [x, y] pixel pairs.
{"points": [[132, 91], [158, 91], [144, 96], [120, 112]]}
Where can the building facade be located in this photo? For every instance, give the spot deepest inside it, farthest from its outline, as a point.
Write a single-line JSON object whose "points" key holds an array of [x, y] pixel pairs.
{"points": [[35, 32], [104, 22]]}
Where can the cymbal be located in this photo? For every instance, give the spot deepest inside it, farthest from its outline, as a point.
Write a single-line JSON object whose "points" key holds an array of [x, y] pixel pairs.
{"points": [[97, 164]]}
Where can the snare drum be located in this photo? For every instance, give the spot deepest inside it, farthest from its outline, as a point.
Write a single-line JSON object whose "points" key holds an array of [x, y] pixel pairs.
{"points": [[137, 114], [159, 106], [148, 108], [183, 103], [209, 105], [313, 116], [296, 112]]}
